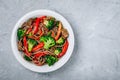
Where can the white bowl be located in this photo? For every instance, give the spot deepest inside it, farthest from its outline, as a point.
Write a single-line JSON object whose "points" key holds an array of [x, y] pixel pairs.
{"points": [[44, 68]]}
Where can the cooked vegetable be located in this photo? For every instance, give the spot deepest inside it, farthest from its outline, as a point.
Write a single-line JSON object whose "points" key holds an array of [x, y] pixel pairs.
{"points": [[64, 49], [49, 23], [42, 18], [20, 33], [48, 41], [50, 60], [57, 51], [41, 33], [43, 40], [37, 47], [39, 54], [35, 29], [27, 58], [52, 33], [26, 46], [59, 31], [60, 41], [31, 44], [38, 20]]}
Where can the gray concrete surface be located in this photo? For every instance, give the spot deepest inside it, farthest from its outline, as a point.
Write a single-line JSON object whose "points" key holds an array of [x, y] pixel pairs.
{"points": [[96, 24]]}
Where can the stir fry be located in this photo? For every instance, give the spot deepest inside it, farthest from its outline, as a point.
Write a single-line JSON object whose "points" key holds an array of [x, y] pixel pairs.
{"points": [[42, 40]]}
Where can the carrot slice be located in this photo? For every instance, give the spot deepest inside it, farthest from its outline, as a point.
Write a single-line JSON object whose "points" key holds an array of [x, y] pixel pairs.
{"points": [[59, 31]]}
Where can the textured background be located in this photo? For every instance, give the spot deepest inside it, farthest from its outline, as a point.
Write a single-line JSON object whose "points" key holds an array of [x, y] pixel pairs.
{"points": [[96, 24]]}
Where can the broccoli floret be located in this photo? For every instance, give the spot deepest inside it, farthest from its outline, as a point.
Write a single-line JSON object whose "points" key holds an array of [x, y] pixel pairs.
{"points": [[20, 33], [31, 44], [48, 41], [49, 23], [27, 58], [50, 60], [60, 41], [57, 51]]}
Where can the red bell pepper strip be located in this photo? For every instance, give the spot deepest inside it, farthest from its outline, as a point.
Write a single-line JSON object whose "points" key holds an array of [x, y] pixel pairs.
{"points": [[39, 54], [38, 20], [40, 45], [25, 42], [41, 18], [26, 46], [59, 31], [35, 29], [41, 33], [53, 34], [36, 57], [64, 49]]}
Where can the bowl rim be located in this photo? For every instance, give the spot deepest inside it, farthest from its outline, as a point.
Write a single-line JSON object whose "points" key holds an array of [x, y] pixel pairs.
{"points": [[29, 65]]}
